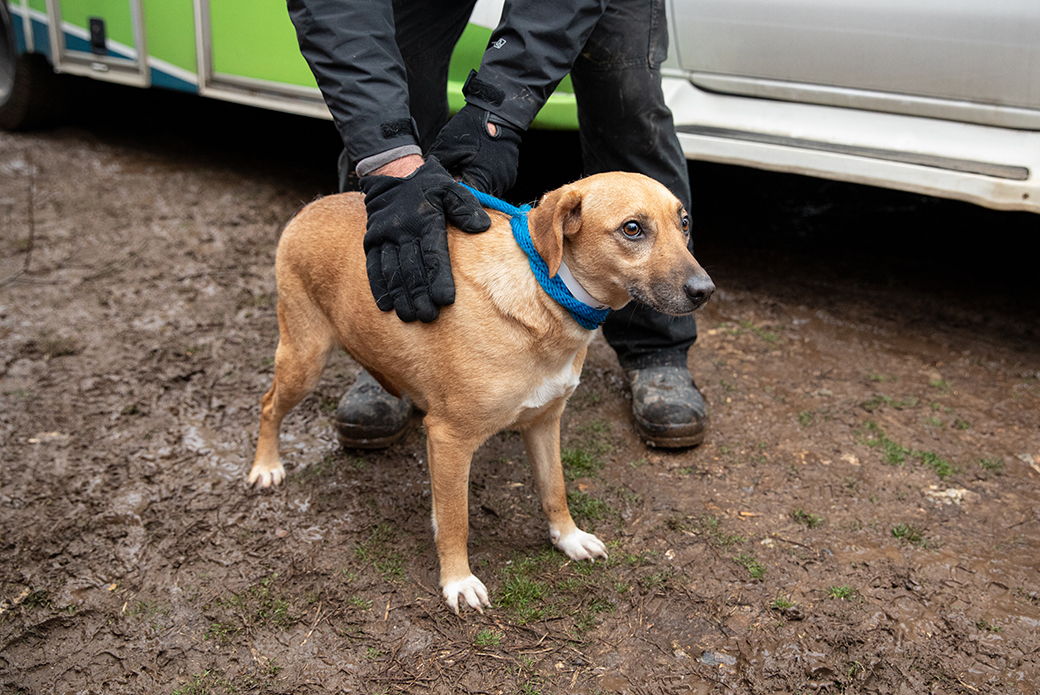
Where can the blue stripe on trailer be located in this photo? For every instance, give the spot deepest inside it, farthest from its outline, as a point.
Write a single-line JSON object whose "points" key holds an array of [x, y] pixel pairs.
{"points": [[41, 38], [78, 43], [164, 79], [19, 33]]}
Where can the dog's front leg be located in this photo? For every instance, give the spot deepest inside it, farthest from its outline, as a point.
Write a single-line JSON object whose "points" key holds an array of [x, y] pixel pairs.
{"points": [[542, 439], [450, 456]]}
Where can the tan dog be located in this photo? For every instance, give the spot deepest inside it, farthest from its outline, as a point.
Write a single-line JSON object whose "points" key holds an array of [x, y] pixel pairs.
{"points": [[503, 355]]}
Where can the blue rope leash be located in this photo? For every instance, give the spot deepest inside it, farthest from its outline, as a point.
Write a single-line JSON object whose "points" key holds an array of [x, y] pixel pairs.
{"points": [[585, 315]]}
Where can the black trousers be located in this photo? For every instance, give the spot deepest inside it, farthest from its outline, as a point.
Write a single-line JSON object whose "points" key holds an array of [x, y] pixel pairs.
{"points": [[624, 125]]}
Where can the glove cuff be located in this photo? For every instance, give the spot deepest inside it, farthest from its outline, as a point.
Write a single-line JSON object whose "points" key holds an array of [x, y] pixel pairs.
{"points": [[489, 94]]}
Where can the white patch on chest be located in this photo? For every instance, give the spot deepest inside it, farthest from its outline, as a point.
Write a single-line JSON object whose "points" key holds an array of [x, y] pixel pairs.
{"points": [[553, 386]]}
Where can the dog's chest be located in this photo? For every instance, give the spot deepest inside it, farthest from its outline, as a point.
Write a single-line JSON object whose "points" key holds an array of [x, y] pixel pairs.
{"points": [[555, 385]]}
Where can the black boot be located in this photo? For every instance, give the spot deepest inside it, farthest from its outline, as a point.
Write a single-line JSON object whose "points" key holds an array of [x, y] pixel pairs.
{"points": [[669, 411], [370, 418]]}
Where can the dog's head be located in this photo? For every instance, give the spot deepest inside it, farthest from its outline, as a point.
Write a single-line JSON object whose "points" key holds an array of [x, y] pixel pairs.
{"points": [[624, 236]]}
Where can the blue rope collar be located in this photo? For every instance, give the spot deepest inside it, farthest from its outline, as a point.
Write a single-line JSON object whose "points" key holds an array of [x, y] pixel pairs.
{"points": [[588, 317]]}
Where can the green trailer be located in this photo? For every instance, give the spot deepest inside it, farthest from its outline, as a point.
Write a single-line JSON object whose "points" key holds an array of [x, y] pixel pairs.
{"points": [[238, 50]]}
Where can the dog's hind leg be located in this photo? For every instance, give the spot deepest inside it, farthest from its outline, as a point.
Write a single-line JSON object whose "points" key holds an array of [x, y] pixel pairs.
{"points": [[305, 340], [451, 454], [542, 440]]}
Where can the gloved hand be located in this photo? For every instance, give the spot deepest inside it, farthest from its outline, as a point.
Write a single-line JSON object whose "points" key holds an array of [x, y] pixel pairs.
{"points": [[466, 149], [406, 245]]}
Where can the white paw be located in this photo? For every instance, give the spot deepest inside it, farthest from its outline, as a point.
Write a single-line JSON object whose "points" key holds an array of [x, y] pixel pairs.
{"points": [[266, 476], [578, 545], [472, 592]]}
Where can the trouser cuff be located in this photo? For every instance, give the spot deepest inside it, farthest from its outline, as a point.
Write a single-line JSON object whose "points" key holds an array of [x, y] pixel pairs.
{"points": [[660, 358]]}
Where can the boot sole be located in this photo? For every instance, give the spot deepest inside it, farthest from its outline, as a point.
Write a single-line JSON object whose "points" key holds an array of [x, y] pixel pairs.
{"points": [[352, 440], [661, 438]]}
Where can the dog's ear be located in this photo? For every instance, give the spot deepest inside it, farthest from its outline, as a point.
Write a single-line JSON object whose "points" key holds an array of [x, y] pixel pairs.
{"points": [[558, 215]]}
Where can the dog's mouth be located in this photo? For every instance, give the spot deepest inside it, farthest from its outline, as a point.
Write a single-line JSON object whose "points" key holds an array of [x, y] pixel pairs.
{"points": [[668, 298]]}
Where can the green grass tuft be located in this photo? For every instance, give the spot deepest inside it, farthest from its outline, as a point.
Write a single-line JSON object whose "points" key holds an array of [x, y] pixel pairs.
{"points": [[755, 568], [912, 535], [810, 520], [841, 592]]}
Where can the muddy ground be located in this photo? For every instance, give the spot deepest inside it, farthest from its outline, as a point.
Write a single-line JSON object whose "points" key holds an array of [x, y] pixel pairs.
{"points": [[863, 517]]}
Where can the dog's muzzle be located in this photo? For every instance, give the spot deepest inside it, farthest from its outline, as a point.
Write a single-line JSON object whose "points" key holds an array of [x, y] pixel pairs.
{"points": [[698, 289]]}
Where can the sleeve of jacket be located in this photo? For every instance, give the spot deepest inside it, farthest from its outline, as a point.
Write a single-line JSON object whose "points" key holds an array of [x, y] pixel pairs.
{"points": [[533, 48], [351, 50]]}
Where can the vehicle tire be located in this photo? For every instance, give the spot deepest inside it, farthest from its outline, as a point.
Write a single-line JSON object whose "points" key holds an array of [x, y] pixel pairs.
{"points": [[30, 92]]}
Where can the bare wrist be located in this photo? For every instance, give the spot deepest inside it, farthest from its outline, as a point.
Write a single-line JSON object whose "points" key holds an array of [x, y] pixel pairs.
{"points": [[400, 167]]}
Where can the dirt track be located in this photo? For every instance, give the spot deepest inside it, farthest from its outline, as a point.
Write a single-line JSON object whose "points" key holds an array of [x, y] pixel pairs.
{"points": [[864, 516]]}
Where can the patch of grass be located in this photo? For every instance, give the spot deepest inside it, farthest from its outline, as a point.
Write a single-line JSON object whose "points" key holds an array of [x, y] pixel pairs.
{"points": [[755, 568], [841, 592], [259, 605], [487, 638], [379, 549], [879, 400], [37, 598], [656, 580], [362, 604], [943, 468], [597, 427], [314, 472], [993, 465], [781, 603], [531, 687], [391, 567], [806, 418], [894, 454], [940, 384], [710, 528], [147, 610], [585, 618], [585, 507], [206, 683], [580, 462], [583, 458], [961, 424], [874, 376], [987, 626], [271, 669], [221, 632], [586, 399], [911, 534], [1031, 597], [933, 421], [803, 517], [522, 593], [760, 332]]}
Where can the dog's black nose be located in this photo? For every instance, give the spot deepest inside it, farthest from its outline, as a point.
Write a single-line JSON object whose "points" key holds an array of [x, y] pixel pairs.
{"points": [[699, 289]]}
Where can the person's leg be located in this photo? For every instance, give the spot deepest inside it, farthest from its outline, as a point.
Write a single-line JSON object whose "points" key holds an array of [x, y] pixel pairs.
{"points": [[427, 31], [626, 126]]}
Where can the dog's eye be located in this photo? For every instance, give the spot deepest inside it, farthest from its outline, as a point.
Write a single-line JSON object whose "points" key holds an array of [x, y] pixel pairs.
{"points": [[632, 229], [685, 223]]}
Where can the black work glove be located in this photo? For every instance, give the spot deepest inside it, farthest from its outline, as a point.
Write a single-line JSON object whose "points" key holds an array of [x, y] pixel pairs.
{"points": [[406, 245], [466, 149]]}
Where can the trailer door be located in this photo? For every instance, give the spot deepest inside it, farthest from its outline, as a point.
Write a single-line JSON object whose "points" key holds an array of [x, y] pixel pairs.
{"points": [[103, 39]]}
